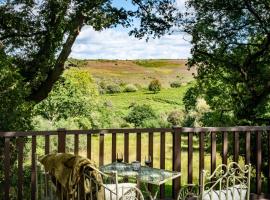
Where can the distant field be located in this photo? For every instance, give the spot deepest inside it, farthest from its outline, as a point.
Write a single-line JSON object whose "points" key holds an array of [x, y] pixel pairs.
{"points": [[164, 101], [138, 71], [141, 72]]}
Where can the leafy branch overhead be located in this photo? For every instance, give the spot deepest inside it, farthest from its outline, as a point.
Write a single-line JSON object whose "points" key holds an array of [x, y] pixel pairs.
{"points": [[231, 50], [39, 35]]}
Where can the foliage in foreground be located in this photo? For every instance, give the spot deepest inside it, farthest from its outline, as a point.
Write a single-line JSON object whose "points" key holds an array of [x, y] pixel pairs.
{"points": [[15, 112], [74, 102], [231, 50]]}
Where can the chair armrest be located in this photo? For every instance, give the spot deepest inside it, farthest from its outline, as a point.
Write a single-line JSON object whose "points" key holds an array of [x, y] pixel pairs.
{"points": [[189, 191], [131, 192]]}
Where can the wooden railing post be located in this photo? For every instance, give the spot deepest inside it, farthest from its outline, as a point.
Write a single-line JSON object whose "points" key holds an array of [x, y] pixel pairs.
{"points": [[7, 167], [113, 147], [61, 140], [20, 145], [201, 156], [126, 147], [89, 146], [34, 169], [101, 148], [213, 151], [176, 158], [162, 160], [138, 146], [190, 157], [258, 162]]}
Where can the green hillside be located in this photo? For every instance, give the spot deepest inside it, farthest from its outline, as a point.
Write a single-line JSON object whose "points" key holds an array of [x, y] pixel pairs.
{"points": [[138, 71]]}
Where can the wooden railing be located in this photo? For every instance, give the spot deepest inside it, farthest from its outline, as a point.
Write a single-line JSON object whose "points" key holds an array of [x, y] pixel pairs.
{"points": [[210, 133]]}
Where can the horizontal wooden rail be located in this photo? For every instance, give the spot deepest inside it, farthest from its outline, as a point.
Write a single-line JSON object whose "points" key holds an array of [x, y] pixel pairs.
{"points": [[237, 141], [138, 130]]}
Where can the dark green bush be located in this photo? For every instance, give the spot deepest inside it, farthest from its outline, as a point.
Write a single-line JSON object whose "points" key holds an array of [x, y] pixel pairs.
{"points": [[175, 84], [155, 86], [113, 88], [140, 113]]}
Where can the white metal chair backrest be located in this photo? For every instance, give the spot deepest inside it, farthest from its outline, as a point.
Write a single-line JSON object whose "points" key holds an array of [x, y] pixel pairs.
{"points": [[227, 182]]}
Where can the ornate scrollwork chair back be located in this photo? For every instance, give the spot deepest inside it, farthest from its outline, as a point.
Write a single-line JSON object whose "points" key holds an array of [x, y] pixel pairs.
{"points": [[226, 183]]}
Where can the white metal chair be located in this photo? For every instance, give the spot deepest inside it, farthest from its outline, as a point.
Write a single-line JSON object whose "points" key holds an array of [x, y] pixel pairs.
{"points": [[88, 186], [227, 182]]}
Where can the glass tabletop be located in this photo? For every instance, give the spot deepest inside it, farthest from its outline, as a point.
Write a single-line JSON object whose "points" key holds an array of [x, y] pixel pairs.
{"points": [[144, 174]]}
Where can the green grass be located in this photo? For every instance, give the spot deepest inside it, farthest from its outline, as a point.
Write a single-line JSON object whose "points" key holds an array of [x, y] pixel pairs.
{"points": [[163, 102], [155, 63]]}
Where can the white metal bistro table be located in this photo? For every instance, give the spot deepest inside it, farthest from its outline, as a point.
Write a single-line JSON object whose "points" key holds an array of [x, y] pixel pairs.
{"points": [[145, 175]]}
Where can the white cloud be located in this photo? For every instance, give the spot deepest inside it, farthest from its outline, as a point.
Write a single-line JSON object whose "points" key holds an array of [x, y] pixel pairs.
{"points": [[117, 44], [180, 4]]}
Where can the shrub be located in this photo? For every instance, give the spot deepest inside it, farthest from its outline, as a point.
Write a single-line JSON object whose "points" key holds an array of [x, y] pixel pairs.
{"points": [[175, 117], [159, 122], [130, 88], [113, 88], [155, 86], [175, 84], [140, 113], [102, 87], [138, 86]]}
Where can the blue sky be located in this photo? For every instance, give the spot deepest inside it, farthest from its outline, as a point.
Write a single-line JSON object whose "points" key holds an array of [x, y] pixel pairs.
{"points": [[117, 44]]}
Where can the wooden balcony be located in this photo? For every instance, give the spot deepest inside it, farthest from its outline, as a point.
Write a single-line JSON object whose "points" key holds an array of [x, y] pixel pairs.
{"points": [[215, 142]]}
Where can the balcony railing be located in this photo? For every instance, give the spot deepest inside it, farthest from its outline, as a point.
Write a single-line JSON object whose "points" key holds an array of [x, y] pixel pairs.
{"points": [[213, 141]]}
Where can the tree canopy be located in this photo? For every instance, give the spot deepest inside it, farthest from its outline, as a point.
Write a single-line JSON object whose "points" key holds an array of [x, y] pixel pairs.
{"points": [[39, 35], [231, 50]]}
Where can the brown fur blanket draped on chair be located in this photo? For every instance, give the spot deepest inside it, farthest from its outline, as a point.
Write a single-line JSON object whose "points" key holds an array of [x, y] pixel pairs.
{"points": [[67, 170]]}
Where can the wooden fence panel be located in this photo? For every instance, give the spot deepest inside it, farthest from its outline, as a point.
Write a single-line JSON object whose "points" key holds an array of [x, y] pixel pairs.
{"points": [[201, 155], [176, 159], [113, 147], [47, 144], [76, 144], [34, 169], [190, 157], [225, 147], [89, 146], [213, 151], [20, 145], [7, 167], [61, 140], [268, 134], [138, 146], [162, 160], [236, 132], [236, 147], [126, 147], [101, 149], [247, 149], [258, 162]]}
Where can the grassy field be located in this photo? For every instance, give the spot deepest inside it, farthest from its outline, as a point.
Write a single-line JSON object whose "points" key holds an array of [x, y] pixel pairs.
{"points": [[165, 101], [138, 71]]}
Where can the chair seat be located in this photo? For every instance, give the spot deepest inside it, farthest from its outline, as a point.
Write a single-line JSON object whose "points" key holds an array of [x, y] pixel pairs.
{"points": [[123, 188], [234, 193]]}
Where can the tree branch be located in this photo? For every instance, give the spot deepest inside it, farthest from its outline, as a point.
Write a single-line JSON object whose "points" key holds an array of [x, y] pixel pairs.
{"points": [[43, 90]]}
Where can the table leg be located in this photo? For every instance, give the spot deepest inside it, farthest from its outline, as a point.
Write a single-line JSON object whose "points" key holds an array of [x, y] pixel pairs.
{"points": [[149, 194]]}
